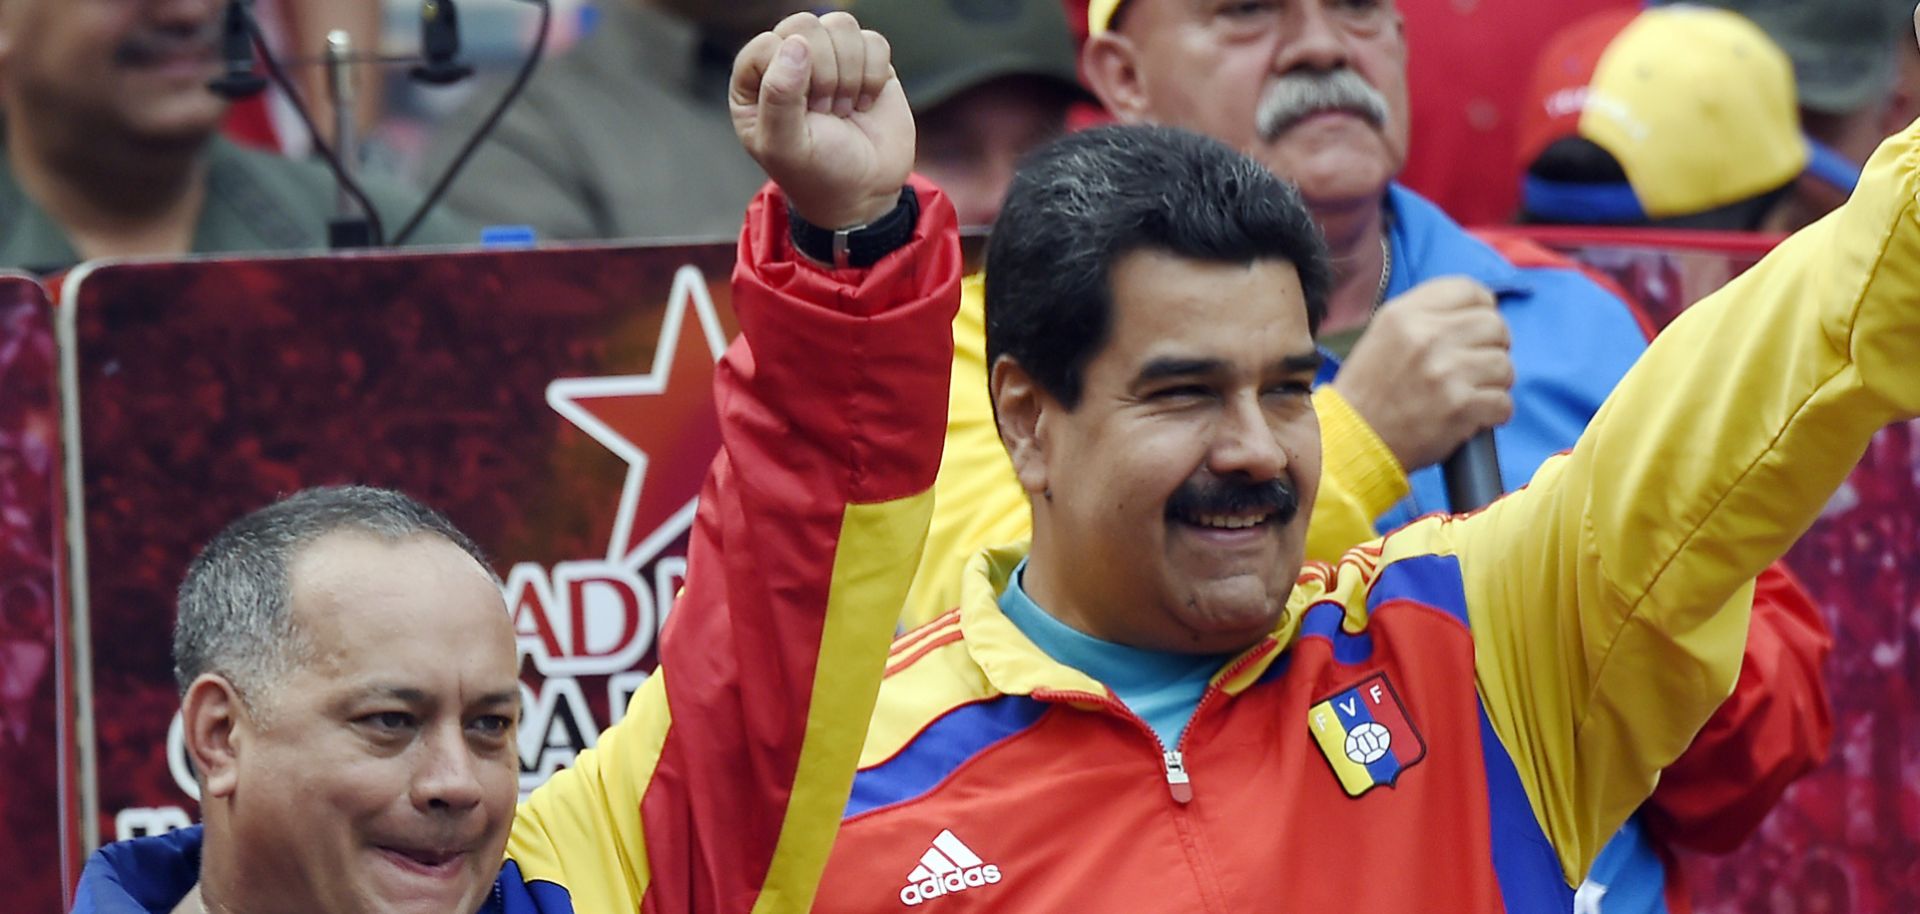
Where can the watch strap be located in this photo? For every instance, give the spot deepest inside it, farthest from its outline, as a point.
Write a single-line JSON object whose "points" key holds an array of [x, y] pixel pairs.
{"points": [[860, 246]]}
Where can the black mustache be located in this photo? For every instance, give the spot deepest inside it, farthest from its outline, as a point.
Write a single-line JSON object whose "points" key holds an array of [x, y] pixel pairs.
{"points": [[1197, 497], [157, 44]]}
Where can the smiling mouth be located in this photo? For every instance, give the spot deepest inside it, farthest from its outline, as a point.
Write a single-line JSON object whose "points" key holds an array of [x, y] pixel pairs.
{"points": [[428, 862], [1224, 521]]}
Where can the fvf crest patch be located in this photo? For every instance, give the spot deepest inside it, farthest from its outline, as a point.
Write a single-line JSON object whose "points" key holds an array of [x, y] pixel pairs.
{"points": [[1365, 733]]}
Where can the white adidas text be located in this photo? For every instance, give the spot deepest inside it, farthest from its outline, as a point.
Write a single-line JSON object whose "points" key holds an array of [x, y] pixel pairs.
{"points": [[947, 868]]}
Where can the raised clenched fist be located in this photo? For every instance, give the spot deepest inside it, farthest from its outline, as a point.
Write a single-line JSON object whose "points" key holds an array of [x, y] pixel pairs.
{"points": [[816, 103]]}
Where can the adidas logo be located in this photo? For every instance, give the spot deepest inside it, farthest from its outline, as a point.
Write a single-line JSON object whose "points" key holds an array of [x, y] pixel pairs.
{"points": [[946, 868]]}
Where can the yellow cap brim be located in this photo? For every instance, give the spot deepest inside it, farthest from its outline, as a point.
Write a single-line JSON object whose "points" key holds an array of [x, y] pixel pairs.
{"points": [[1100, 15]]}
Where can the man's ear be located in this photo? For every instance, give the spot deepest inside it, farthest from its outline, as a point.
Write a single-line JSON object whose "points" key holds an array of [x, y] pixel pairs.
{"points": [[1110, 63], [1021, 408], [210, 716]]}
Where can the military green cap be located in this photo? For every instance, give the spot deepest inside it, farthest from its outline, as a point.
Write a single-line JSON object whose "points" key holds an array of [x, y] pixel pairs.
{"points": [[942, 48], [1843, 51]]}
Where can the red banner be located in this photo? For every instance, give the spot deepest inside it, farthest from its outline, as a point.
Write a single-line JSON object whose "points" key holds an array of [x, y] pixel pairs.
{"points": [[556, 404], [35, 838]]}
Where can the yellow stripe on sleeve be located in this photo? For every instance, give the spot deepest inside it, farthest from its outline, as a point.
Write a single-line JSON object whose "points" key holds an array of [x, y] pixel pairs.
{"points": [[879, 544]]}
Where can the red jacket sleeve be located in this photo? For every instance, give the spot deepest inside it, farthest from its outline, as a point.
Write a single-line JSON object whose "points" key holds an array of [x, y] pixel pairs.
{"points": [[833, 399], [723, 786], [1775, 727]]}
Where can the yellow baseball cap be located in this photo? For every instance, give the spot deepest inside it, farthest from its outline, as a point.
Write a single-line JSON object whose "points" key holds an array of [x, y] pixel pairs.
{"points": [[1696, 104], [1099, 13]]}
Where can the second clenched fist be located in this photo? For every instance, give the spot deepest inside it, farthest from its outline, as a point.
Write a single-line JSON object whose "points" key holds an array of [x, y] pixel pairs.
{"points": [[816, 103]]}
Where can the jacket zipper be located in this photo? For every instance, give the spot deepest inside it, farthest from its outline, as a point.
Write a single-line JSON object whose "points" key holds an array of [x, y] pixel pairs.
{"points": [[1173, 762]]}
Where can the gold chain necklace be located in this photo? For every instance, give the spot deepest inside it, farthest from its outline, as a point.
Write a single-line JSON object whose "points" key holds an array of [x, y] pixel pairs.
{"points": [[1386, 272]]}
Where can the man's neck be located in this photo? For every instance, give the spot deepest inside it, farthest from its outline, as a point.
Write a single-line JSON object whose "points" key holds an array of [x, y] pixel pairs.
{"points": [[236, 887], [112, 198], [1354, 232]]}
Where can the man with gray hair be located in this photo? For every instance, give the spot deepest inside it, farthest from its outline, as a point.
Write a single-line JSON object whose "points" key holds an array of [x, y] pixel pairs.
{"points": [[346, 663]]}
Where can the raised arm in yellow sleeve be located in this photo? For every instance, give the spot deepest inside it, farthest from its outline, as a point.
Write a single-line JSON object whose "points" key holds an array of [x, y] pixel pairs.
{"points": [[978, 503], [1607, 600]]}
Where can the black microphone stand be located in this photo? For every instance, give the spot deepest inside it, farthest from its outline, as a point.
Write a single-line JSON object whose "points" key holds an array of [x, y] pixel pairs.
{"points": [[241, 81], [359, 223]]}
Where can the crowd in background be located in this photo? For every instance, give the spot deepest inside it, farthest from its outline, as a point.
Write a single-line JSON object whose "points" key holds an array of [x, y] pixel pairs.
{"points": [[1711, 120], [1742, 115]]}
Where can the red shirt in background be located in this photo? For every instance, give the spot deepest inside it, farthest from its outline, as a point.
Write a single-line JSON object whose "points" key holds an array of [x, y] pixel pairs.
{"points": [[1468, 66]]}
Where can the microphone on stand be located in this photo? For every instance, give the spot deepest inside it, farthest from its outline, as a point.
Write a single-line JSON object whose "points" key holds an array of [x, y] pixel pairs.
{"points": [[236, 50], [350, 227], [1472, 474], [240, 35], [440, 50], [440, 45]]}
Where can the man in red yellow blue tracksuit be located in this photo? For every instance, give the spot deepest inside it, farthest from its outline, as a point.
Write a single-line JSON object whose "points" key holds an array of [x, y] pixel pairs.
{"points": [[1137, 712], [1565, 342]]}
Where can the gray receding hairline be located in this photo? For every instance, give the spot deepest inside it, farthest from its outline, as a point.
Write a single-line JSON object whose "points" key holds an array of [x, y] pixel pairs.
{"points": [[234, 608]]}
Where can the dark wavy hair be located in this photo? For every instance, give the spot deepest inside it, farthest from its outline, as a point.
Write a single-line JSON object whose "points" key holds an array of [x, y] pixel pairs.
{"points": [[1081, 204]]}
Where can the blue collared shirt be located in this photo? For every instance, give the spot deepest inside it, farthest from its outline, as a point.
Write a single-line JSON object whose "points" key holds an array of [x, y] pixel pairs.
{"points": [[1572, 342]]}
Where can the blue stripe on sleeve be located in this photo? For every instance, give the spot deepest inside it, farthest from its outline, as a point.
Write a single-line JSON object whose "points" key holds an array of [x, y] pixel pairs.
{"points": [[941, 747], [1431, 579], [514, 893], [1323, 621], [1524, 861]]}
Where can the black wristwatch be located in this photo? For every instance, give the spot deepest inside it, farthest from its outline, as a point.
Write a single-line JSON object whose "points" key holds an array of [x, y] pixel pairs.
{"points": [[861, 246]]}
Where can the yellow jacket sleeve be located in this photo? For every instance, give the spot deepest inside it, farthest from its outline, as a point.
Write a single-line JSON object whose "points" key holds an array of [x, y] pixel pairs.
{"points": [[1608, 599], [1359, 479], [977, 502]]}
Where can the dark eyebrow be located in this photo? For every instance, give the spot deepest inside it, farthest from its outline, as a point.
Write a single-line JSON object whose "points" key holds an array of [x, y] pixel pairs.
{"points": [[499, 698], [1308, 362], [413, 696], [1171, 367], [405, 694]]}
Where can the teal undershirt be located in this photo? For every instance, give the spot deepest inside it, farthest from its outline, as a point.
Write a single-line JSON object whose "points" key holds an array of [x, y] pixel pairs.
{"points": [[1160, 688]]}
